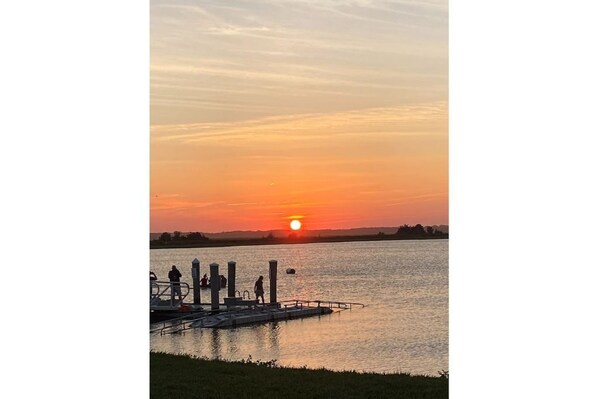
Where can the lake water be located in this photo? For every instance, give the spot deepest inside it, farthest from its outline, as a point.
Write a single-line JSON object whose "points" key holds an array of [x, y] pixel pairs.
{"points": [[404, 326]]}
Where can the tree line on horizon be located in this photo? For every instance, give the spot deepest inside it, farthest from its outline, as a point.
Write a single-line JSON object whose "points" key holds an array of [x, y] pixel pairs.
{"points": [[178, 236], [405, 230], [418, 231]]}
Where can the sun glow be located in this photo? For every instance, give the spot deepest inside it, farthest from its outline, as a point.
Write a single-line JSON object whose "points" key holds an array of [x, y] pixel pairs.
{"points": [[295, 225]]}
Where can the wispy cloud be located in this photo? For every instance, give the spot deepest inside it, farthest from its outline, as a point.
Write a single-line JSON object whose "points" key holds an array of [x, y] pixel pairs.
{"points": [[394, 121], [210, 57], [175, 202], [416, 198]]}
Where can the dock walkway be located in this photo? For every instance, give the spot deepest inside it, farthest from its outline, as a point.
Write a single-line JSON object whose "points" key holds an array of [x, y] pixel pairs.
{"points": [[233, 317], [258, 315]]}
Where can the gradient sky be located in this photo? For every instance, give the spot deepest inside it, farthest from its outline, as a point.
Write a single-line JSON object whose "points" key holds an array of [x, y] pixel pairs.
{"points": [[334, 112]]}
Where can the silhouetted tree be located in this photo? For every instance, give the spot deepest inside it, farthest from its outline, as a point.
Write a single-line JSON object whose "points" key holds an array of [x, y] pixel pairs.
{"points": [[411, 231], [177, 235], [197, 236], [418, 230], [404, 230], [165, 237], [430, 230]]}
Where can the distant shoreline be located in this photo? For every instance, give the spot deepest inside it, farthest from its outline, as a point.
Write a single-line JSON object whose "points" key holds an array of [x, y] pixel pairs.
{"points": [[212, 243]]}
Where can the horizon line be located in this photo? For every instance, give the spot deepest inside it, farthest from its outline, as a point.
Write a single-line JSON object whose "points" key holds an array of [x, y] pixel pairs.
{"points": [[284, 229]]}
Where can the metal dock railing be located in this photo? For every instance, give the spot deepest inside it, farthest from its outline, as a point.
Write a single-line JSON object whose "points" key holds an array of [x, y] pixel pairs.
{"points": [[321, 303], [162, 296], [177, 325]]}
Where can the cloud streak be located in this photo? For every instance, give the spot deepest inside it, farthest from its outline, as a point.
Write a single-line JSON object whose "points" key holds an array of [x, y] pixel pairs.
{"points": [[297, 56], [390, 121]]}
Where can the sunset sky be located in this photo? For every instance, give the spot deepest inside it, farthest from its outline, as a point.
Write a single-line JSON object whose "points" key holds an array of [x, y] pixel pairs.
{"points": [[331, 112]]}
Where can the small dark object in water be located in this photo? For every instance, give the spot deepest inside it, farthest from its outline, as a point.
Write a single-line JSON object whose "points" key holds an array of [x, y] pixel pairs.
{"points": [[290, 271]]}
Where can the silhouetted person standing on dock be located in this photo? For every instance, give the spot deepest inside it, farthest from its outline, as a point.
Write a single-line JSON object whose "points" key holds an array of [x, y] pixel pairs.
{"points": [[258, 288], [175, 283], [204, 281]]}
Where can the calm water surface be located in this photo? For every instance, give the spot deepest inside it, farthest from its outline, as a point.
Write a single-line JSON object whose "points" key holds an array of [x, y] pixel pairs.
{"points": [[404, 326]]}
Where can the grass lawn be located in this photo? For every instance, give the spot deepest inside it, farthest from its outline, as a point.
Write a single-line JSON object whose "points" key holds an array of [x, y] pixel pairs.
{"points": [[179, 376]]}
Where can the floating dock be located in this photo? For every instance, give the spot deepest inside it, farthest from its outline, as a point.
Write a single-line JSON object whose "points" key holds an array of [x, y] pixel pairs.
{"points": [[257, 315], [236, 310], [235, 317]]}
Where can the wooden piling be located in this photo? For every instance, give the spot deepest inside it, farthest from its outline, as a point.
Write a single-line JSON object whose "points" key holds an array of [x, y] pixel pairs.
{"points": [[232, 266], [273, 276], [195, 275], [215, 285]]}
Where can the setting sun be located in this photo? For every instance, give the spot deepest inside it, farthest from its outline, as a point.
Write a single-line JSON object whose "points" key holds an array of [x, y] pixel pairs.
{"points": [[295, 224]]}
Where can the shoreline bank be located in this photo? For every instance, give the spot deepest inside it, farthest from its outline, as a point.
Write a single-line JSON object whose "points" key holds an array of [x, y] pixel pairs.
{"points": [[184, 376], [212, 243]]}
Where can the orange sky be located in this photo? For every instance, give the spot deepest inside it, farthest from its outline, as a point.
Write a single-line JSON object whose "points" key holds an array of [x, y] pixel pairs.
{"points": [[259, 115]]}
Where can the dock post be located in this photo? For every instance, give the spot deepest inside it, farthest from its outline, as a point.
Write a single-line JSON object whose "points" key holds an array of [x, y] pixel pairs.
{"points": [[232, 266], [273, 273], [195, 275], [215, 285]]}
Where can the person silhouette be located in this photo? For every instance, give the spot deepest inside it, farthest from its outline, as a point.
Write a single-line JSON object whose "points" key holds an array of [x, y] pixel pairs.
{"points": [[204, 281], [174, 276], [258, 288]]}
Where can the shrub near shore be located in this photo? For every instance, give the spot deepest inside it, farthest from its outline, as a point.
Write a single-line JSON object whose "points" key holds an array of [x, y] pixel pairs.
{"points": [[182, 376]]}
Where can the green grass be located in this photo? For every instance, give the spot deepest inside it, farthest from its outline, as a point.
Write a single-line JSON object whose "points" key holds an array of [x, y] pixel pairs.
{"points": [[181, 376]]}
